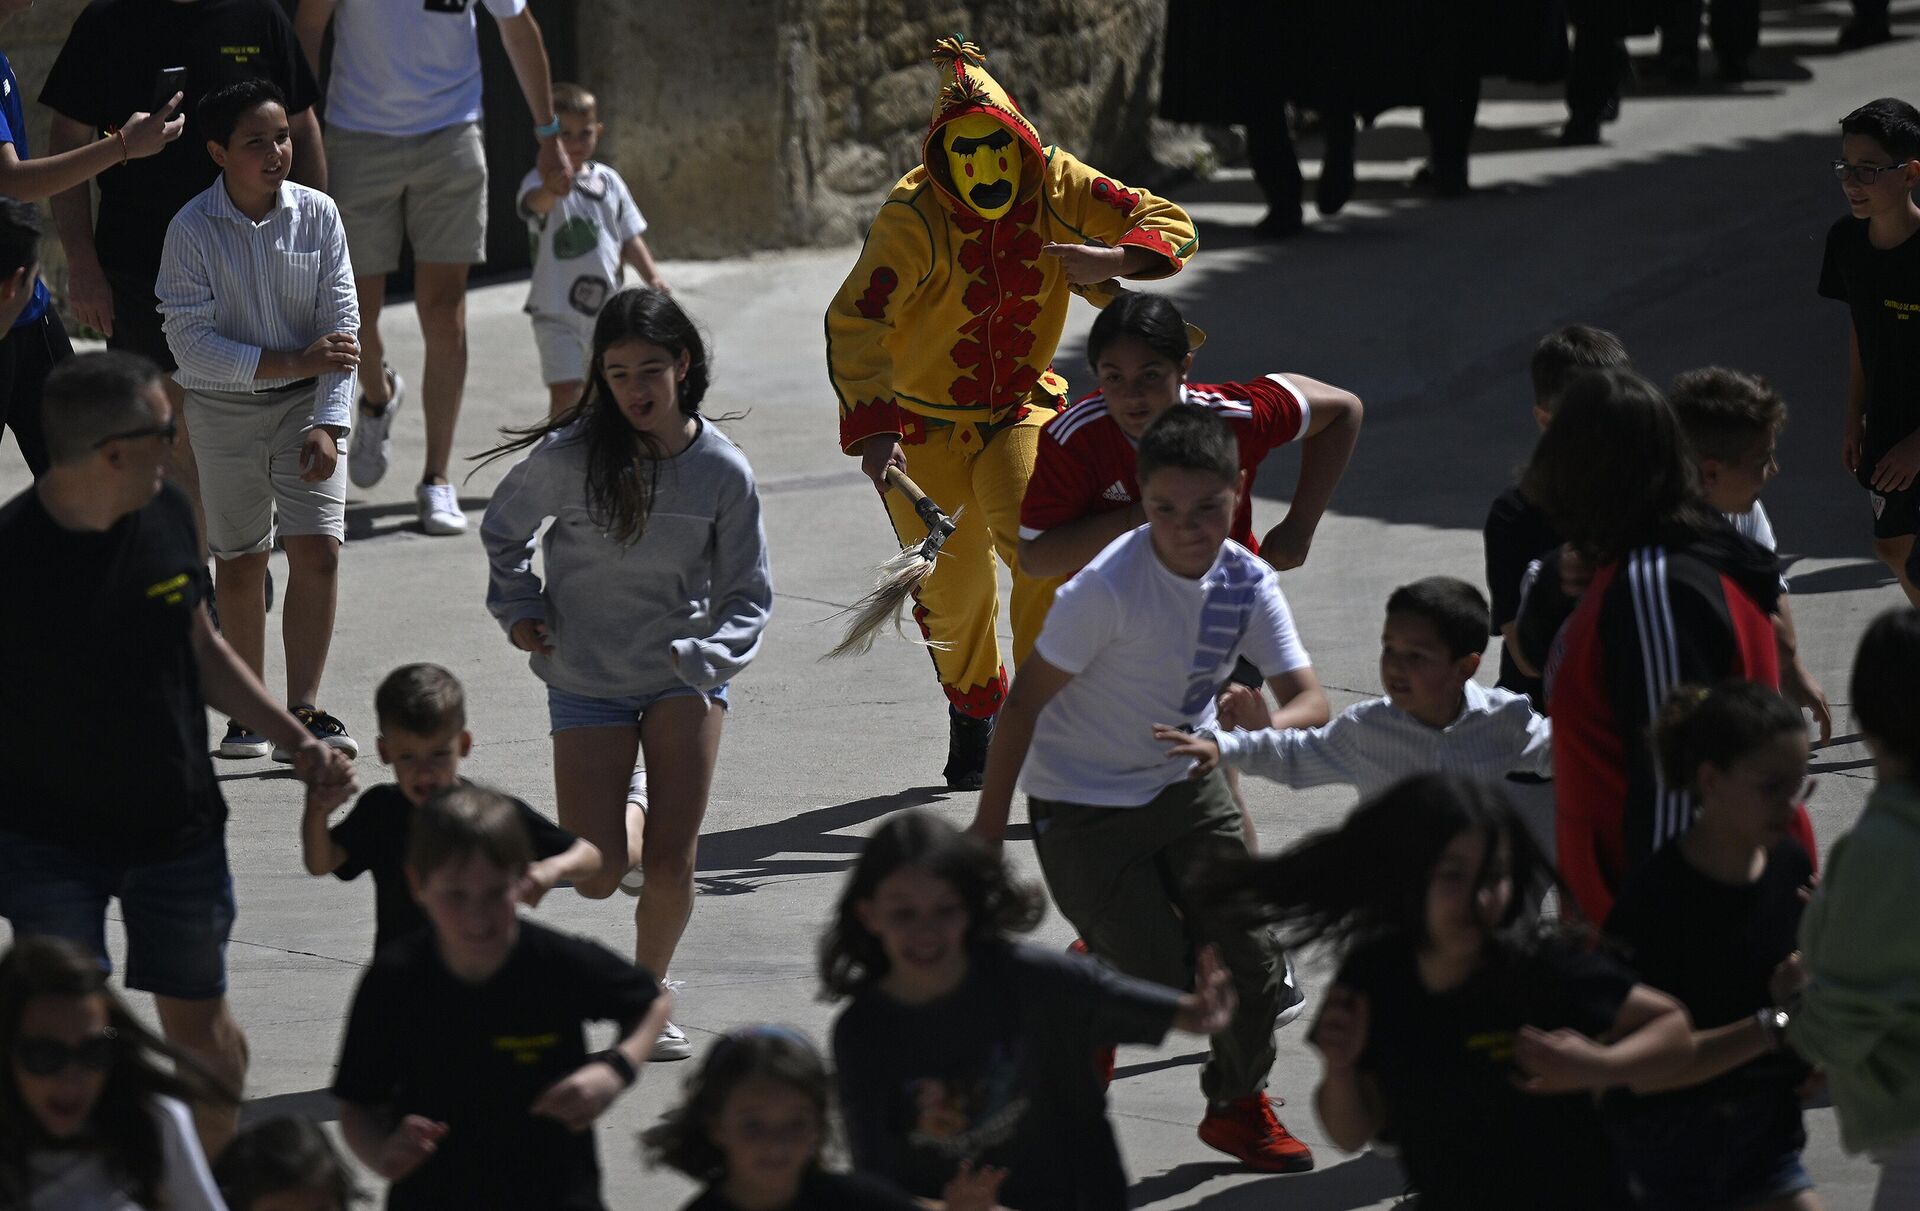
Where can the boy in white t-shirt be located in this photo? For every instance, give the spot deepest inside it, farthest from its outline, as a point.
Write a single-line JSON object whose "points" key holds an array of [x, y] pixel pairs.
{"points": [[582, 240], [1733, 422], [1149, 632]]}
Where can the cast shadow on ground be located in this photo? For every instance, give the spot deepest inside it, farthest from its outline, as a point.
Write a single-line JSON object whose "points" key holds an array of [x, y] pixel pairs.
{"points": [[1867, 574], [746, 855], [1366, 1179], [1173, 1061], [315, 1104], [366, 521]]}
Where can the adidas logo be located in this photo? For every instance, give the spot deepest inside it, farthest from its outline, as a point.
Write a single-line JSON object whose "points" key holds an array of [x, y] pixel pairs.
{"points": [[1117, 491]]}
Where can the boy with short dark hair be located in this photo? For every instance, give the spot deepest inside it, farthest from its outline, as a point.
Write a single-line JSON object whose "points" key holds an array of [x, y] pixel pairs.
{"points": [[1873, 265], [1121, 832], [464, 1077], [1733, 422], [260, 315], [582, 240], [423, 735], [1517, 533], [1434, 717]]}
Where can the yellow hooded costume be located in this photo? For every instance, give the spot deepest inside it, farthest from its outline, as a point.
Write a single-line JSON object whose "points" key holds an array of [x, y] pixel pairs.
{"points": [[943, 337]]}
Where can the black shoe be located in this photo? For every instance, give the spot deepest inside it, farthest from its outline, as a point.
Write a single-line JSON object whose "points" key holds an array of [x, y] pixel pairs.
{"points": [[269, 588], [1858, 34], [1580, 132], [967, 740], [1441, 182], [1733, 69], [1336, 184], [1280, 224]]}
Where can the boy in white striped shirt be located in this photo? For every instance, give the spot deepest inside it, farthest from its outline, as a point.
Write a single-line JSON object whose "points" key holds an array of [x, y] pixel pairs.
{"points": [[260, 314], [1434, 718]]}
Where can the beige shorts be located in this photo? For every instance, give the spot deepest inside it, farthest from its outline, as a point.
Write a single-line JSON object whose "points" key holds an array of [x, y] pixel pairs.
{"points": [[431, 188], [566, 346], [248, 448]]}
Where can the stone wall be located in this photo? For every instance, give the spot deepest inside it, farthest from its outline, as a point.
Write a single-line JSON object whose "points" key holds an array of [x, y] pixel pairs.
{"points": [[744, 124]]}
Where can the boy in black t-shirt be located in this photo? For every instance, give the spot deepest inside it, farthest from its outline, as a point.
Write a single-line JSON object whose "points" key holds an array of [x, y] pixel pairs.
{"points": [[464, 1077], [423, 735], [1517, 533], [1873, 265]]}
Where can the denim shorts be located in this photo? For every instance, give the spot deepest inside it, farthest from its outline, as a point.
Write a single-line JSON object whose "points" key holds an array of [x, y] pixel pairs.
{"points": [[1707, 1155], [178, 912], [568, 710]]}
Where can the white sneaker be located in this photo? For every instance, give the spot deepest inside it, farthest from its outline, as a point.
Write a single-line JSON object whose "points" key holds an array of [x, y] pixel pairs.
{"points": [[1293, 998], [439, 509], [671, 1045], [371, 444], [635, 879]]}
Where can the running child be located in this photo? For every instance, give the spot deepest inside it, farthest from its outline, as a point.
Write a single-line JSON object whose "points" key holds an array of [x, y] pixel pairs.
{"points": [[962, 1048], [754, 1126], [284, 1164], [1855, 1016], [583, 239], [1709, 920], [1435, 718], [1872, 265], [422, 711], [464, 1077], [1085, 488], [1458, 1028], [260, 315], [655, 595], [1119, 830], [1517, 534]]}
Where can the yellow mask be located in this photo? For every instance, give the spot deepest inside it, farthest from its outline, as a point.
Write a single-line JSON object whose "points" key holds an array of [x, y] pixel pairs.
{"points": [[984, 159]]}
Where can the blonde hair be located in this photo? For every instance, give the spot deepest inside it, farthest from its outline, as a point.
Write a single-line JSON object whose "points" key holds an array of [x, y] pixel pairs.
{"points": [[573, 99]]}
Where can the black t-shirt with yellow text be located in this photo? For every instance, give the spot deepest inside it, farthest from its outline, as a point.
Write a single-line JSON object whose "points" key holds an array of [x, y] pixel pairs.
{"points": [[1881, 288]]}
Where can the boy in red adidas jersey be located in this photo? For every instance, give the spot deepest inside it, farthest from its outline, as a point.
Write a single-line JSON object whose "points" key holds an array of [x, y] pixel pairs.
{"points": [[1084, 492]]}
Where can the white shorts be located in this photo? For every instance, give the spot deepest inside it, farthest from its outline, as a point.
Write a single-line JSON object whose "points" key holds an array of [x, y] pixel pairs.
{"points": [[248, 448], [566, 346]]}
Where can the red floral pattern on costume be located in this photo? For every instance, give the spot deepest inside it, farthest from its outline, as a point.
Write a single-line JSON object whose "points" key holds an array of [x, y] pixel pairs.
{"points": [[1002, 258], [867, 417], [1152, 241], [979, 701], [880, 287], [1122, 200]]}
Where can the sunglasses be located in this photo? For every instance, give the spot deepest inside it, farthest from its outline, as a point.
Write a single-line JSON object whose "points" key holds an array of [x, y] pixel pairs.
{"points": [[48, 1057], [166, 433], [1865, 174]]}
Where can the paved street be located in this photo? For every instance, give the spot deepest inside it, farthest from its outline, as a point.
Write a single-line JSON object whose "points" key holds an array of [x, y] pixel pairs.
{"points": [[1695, 234]]}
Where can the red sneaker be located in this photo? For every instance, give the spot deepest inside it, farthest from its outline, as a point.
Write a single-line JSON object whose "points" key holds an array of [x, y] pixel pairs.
{"points": [[1247, 1130]]}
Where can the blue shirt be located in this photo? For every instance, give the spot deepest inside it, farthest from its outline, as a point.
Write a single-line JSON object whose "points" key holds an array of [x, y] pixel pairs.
{"points": [[13, 129]]}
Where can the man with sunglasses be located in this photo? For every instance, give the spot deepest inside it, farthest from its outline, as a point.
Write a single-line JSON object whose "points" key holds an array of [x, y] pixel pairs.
{"points": [[106, 787], [1873, 265]]}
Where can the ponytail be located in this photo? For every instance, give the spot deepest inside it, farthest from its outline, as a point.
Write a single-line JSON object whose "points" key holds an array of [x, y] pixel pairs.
{"points": [[1720, 725]]}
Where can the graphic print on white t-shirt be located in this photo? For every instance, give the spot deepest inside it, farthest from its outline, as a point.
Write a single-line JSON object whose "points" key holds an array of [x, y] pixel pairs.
{"points": [[1224, 614]]}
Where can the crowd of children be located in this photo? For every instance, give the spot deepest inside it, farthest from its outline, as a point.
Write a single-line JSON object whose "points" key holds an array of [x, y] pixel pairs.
{"points": [[1648, 1041]]}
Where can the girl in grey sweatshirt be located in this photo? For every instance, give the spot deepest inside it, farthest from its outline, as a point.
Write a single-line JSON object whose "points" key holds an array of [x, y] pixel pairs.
{"points": [[653, 594]]}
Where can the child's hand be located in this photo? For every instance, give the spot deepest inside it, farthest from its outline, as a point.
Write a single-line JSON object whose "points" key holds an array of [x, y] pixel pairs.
{"points": [[530, 635], [1560, 1061], [973, 1189], [334, 353], [324, 797], [1789, 979], [660, 284], [1209, 1007], [1339, 1034], [322, 765], [581, 1096], [411, 1143], [319, 455], [1204, 753], [1243, 707]]}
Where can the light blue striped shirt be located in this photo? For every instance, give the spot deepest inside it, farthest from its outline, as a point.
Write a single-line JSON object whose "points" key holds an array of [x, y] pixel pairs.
{"points": [[1372, 745], [230, 288]]}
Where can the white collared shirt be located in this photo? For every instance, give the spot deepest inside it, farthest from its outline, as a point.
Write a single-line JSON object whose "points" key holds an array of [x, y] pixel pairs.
{"points": [[1372, 745], [230, 288]]}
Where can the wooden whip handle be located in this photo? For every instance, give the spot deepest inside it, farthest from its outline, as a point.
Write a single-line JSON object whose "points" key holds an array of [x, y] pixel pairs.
{"points": [[898, 479]]}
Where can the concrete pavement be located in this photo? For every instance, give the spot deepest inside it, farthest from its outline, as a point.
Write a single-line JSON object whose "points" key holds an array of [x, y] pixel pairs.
{"points": [[1695, 233]]}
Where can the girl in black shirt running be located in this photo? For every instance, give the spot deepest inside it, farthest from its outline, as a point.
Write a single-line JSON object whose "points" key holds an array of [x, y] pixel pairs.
{"points": [[1458, 1028]]}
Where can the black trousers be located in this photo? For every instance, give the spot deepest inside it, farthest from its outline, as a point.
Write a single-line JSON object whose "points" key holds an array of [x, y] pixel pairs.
{"points": [[1599, 60], [1733, 28], [26, 355]]}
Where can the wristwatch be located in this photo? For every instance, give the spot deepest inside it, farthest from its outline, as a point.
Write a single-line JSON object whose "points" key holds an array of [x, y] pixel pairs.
{"points": [[1774, 1022], [617, 1060]]}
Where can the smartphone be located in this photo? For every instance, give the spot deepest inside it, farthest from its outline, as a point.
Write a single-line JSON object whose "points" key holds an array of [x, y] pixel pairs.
{"points": [[171, 80]]}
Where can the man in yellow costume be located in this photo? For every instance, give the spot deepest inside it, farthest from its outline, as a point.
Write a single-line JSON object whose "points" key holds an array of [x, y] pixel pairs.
{"points": [[940, 345]]}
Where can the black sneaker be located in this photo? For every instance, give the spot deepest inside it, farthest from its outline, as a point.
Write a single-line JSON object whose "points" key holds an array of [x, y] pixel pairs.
{"points": [[242, 743], [1860, 33], [325, 728], [967, 740]]}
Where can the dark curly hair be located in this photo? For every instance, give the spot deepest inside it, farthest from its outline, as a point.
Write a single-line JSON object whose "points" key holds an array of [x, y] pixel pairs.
{"points": [[623, 464], [851, 958], [1698, 725], [281, 1154], [122, 1128], [680, 1140]]}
